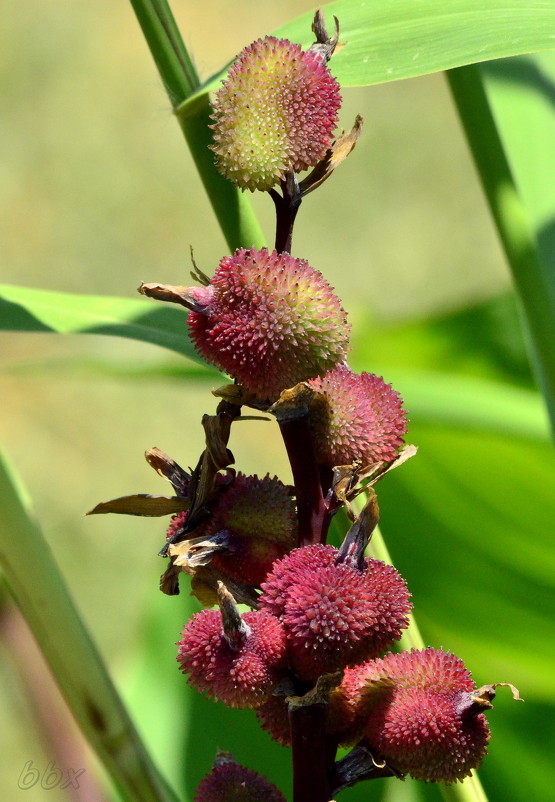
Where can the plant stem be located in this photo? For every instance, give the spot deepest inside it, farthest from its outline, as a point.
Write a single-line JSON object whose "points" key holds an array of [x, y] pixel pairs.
{"points": [[287, 206], [313, 754], [231, 207], [311, 508], [166, 45], [533, 276], [40, 592]]}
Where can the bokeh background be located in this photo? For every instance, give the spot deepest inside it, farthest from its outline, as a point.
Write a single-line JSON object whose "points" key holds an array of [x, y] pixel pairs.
{"points": [[99, 193]]}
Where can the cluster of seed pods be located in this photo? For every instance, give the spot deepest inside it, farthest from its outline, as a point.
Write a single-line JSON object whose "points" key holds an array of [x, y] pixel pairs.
{"points": [[322, 618]]}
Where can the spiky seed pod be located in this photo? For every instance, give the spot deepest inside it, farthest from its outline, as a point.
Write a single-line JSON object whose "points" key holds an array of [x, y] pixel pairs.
{"points": [[239, 672], [261, 519], [230, 782], [178, 521], [421, 713], [273, 716], [285, 572], [334, 615], [356, 417], [275, 112], [270, 321]]}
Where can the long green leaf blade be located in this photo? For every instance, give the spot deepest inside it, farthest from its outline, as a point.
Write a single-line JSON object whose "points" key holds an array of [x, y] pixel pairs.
{"points": [[39, 589], [27, 309], [387, 40], [534, 279]]}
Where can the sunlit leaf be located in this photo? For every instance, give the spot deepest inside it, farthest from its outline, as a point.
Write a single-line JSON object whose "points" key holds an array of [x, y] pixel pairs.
{"points": [[469, 523], [38, 588], [29, 309], [388, 41]]}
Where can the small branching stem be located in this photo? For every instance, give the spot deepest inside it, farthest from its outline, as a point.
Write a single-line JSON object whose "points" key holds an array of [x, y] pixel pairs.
{"points": [[287, 206]]}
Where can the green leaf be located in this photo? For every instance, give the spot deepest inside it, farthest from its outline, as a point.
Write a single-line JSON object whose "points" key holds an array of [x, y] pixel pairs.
{"points": [[476, 404], [534, 277], [38, 588], [28, 309], [521, 92], [469, 523], [388, 41], [484, 340]]}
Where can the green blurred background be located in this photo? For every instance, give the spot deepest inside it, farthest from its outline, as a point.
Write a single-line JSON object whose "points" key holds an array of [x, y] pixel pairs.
{"points": [[98, 193]]}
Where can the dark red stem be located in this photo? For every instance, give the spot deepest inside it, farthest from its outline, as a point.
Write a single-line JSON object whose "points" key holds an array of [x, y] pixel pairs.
{"points": [[313, 754], [311, 508], [287, 206]]}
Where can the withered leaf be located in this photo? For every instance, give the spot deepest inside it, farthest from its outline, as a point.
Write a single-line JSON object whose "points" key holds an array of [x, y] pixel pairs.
{"points": [[348, 478], [169, 469], [358, 536], [198, 551], [319, 694], [325, 44], [142, 504], [175, 295], [293, 403], [204, 585], [335, 155], [405, 454], [169, 581]]}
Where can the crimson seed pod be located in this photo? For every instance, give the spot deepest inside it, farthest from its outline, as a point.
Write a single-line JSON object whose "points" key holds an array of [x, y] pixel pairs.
{"points": [[422, 712], [252, 523], [234, 659], [356, 417], [275, 112], [230, 782], [268, 320], [334, 614], [260, 520]]}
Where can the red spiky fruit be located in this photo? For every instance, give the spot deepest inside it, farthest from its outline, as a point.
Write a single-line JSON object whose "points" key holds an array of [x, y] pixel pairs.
{"points": [[239, 670], [356, 417], [230, 782], [268, 320], [334, 614], [275, 112], [260, 519], [421, 713]]}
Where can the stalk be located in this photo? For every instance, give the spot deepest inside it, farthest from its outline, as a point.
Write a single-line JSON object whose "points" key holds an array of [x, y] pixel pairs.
{"points": [[311, 508], [232, 208], [38, 588], [534, 279], [312, 755]]}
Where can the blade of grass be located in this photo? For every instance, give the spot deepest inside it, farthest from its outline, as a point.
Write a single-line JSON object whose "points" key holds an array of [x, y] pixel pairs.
{"points": [[39, 590], [231, 207], [30, 309], [534, 280], [403, 39], [471, 789]]}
